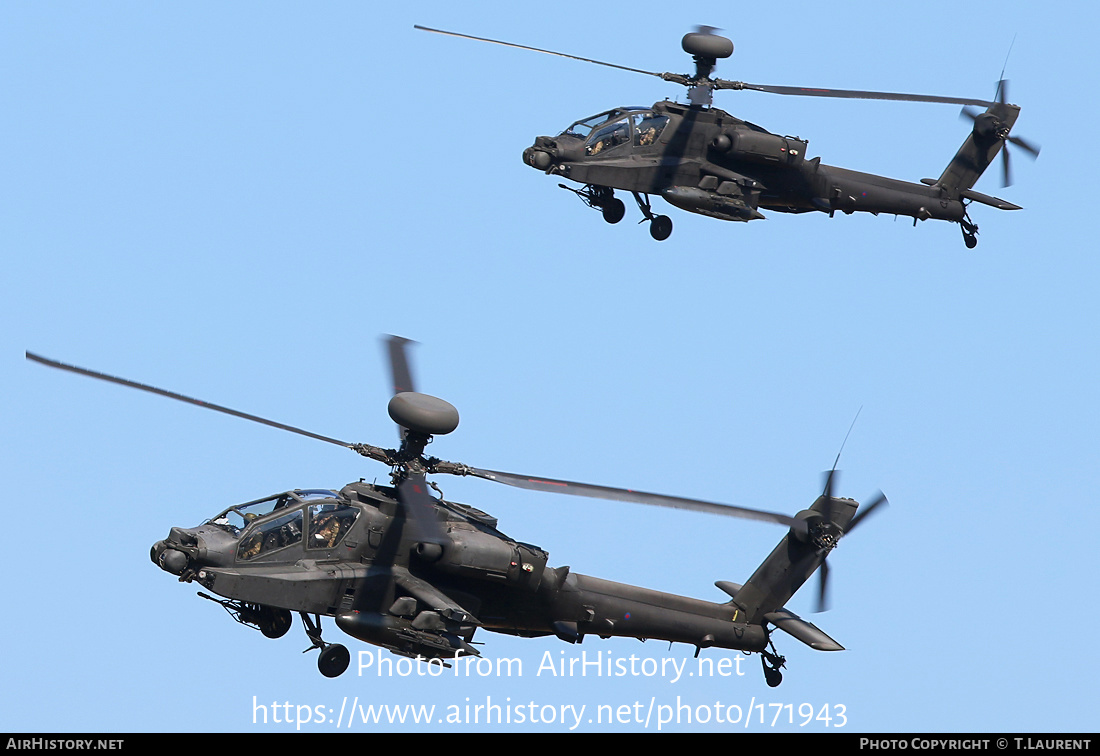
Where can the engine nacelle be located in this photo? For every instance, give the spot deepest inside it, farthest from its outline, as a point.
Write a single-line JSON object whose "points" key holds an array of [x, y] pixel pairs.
{"points": [[759, 147], [484, 556]]}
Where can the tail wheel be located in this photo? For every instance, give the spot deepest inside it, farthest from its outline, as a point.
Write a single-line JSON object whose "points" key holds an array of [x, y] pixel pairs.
{"points": [[970, 232], [772, 664]]}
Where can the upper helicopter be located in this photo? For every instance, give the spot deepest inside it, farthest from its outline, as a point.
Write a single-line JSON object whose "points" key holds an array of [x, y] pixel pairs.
{"points": [[418, 575], [704, 160]]}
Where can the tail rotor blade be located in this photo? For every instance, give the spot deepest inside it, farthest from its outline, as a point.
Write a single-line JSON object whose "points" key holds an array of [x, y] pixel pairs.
{"points": [[823, 577], [829, 477], [827, 493], [969, 112], [1026, 146], [823, 588], [866, 510]]}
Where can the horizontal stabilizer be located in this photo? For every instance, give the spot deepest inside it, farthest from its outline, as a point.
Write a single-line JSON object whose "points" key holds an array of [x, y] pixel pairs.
{"points": [[728, 587], [807, 632], [984, 199]]}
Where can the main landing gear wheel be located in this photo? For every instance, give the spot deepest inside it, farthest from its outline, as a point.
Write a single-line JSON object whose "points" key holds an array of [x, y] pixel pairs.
{"points": [[660, 228], [613, 210], [334, 660]]}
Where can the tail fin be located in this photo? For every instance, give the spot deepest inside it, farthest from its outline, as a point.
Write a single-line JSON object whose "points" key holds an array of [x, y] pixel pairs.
{"points": [[979, 150], [794, 560]]}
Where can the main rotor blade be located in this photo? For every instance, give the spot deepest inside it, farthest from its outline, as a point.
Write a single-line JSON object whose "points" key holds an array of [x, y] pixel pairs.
{"points": [[399, 364], [182, 398], [637, 497], [535, 49], [420, 510], [848, 93]]}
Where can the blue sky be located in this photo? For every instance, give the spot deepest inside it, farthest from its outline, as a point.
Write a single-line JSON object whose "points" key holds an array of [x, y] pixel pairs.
{"points": [[234, 202]]}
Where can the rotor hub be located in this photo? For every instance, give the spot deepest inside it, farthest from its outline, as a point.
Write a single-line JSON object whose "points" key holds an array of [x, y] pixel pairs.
{"points": [[826, 536]]}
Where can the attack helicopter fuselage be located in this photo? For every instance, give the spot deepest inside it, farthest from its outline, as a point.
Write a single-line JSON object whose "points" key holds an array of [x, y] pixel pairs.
{"points": [[703, 160], [706, 161], [348, 554], [404, 570]]}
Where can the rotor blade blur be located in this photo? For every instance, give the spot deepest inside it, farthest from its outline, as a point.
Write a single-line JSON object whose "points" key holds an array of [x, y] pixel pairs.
{"points": [[1025, 146], [399, 364], [400, 373], [971, 114], [182, 398], [848, 93], [637, 497], [420, 510], [866, 510], [535, 49], [1006, 167], [827, 493], [823, 588]]}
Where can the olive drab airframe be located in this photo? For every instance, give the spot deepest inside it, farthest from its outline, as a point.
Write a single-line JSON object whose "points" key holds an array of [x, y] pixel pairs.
{"points": [[704, 160], [419, 575]]}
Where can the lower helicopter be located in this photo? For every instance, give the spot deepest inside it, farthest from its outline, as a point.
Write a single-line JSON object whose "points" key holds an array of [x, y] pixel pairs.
{"points": [[418, 575]]}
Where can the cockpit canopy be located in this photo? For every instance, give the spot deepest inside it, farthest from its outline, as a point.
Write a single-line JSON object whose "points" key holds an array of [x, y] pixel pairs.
{"points": [[317, 516], [584, 127], [236, 518], [606, 131]]}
